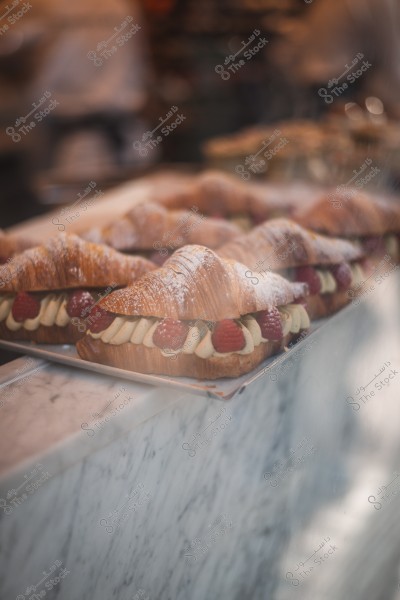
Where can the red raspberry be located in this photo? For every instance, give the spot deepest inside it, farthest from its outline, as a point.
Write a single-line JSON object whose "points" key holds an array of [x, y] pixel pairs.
{"points": [[170, 334], [79, 304], [310, 276], [270, 324], [343, 276], [99, 319], [228, 336], [373, 244], [25, 306]]}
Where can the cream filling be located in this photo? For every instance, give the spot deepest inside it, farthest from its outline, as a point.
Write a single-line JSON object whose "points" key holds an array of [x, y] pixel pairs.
{"points": [[254, 329], [286, 320], [124, 334], [5, 306], [392, 246], [192, 340], [140, 330], [113, 329], [357, 273], [52, 311], [328, 283]]}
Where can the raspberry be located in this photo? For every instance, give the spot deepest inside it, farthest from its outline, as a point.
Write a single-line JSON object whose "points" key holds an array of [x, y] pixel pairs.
{"points": [[99, 319], [373, 244], [79, 304], [170, 334], [25, 306], [343, 276], [310, 276], [228, 336], [270, 324]]}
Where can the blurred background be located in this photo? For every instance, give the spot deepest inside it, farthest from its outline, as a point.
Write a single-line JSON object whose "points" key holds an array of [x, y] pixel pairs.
{"points": [[84, 86]]}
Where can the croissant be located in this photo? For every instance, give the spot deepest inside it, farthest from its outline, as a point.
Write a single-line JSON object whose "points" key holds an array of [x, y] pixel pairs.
{"points": [[224, 195], [329, 266], [199, 316], [47, 293], [149, 226], [354, 214], [11, 245]]}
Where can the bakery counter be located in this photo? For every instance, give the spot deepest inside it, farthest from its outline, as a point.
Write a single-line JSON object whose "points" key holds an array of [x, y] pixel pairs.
{"points": [[111, 489]]}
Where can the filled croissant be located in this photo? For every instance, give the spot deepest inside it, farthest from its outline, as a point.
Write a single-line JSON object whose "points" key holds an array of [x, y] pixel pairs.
{"points": [[150, 228], [224, 195], [48, 294], [198, 316], [330, 267], [349, 213]]}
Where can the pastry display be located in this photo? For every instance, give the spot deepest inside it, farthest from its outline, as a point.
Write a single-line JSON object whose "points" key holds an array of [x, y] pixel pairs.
{"points": [[151, 229], [330, 267], [199, 315], [49, 293], [227, 285], [350, 213]]}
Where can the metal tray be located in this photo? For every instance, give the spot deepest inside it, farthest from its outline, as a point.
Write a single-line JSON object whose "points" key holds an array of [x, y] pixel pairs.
{"points": [[219, 388]]}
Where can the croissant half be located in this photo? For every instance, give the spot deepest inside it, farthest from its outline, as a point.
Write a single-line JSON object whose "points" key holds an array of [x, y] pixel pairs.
{"points": [[374, 222], [199, 316], [327, 265], [47, 292]]}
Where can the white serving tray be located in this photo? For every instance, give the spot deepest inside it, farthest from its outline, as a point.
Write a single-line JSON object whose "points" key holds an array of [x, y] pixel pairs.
{"points": [[223, 389]]}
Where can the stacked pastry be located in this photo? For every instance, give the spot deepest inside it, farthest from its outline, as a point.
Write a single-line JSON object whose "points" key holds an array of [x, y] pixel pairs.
{"points": [[48, 293], [199, 315], [330, 267]]}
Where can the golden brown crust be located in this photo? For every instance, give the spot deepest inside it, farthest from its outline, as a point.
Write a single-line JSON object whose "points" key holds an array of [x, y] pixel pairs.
{"points": [[66, 261], [216, 192], [195, 283], [12, 244], [349, 214], [281, 244], [151, 226], [139, 358], [69, 334]]}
